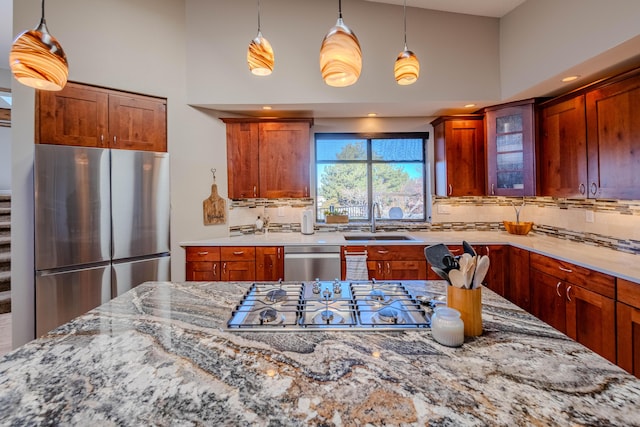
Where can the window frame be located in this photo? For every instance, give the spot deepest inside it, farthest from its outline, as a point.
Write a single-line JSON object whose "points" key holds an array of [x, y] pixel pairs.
{"points": [[369, 162]]}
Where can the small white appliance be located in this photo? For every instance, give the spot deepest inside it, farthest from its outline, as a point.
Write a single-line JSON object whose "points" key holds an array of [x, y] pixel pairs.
{"points": [[306, 222]]}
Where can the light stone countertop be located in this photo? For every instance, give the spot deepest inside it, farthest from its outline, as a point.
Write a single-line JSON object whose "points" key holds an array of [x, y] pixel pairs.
{"points": [[160, 355], [604, 260]]}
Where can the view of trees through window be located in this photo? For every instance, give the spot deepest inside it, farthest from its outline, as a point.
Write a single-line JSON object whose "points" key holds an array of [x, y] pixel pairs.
{"points": [[354, 171]]}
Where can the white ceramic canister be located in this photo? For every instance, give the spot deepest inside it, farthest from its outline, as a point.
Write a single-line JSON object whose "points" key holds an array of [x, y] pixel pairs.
{"points": [[447, 327]]}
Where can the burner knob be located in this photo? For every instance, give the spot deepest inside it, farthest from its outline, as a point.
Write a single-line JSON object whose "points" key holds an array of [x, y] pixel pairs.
{"points": [[316, 287], [337, 287], [326, 294]]}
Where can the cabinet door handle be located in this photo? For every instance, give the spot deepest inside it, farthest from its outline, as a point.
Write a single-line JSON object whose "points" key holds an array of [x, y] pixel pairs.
{"points": [[215, 267], [558, 289], [566, 270], [493, 190], [238, 252], [450, 189], [306, 191], [203, 253], [380, 270], [582, 188], [101, 138], [278, 253], [115, 140], [382, 252], [455, 251], [388, 268], [488, 250], [255, 190], [568, 296], [594, 188], [224, 268]]}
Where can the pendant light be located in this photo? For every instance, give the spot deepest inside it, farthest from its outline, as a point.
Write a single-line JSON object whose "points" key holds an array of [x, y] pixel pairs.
{"points": [[260, 54], [407, 67], [37, 59], [340, 55]]}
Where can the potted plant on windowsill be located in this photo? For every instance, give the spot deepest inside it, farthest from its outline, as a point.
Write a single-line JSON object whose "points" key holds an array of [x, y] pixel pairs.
{"points": [[336, 217]]}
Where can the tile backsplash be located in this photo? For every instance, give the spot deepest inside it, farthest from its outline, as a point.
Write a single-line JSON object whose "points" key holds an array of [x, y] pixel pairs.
{"points": [[611, 223]]}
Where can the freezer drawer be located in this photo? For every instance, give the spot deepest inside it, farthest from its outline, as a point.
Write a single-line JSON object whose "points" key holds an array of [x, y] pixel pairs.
{"points": [[62, 296], [72, 206], [128, 275], [140, 203]]}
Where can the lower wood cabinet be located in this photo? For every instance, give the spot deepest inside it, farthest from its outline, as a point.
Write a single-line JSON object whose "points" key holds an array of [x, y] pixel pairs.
{"points": [[238, 263], [577, 301], [269, 263], [628, 326], [203, 263], [497, 278], [391, 262], [518, 290]]}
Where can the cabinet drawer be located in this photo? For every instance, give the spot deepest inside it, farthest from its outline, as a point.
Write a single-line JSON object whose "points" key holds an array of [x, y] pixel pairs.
{"points": [[237, 253], [203, 253], [600, 283], [629, 293], [396, 253]]}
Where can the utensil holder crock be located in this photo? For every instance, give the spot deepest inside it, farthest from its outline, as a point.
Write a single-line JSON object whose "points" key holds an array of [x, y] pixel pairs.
{"points": [[469, 303]]}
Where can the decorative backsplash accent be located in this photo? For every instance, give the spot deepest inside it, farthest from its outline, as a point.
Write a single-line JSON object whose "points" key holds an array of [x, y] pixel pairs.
{"points": [[610, 207], [271, 203]]}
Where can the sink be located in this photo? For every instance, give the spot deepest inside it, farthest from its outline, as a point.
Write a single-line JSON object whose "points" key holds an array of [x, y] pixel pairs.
{"points": [[364, 237]]}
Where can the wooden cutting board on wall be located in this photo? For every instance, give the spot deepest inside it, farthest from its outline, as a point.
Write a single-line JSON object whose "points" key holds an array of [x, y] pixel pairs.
{"points": [[214, 208]]}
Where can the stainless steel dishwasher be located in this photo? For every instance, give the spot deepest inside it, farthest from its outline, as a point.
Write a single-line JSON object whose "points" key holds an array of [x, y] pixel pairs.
{"points": [[306, 263]]}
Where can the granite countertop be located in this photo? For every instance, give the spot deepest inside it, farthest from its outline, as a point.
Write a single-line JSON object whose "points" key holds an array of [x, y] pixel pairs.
{"points": [[601, 259], [160, 355]]}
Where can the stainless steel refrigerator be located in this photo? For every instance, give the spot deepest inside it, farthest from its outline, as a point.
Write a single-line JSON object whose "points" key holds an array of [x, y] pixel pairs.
{"points": [[101, 227]]}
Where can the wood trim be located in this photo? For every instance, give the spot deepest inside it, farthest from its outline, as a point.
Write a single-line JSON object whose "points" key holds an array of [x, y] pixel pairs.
{"points": [[266, 120], [629, 293], [457, 117]]}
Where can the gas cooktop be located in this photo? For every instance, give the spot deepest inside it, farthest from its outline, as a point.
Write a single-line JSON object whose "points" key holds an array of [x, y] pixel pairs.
{"points": [[326, 305]]}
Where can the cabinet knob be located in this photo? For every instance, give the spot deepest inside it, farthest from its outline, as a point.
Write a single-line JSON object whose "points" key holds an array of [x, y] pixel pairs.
{"points": [[582, 188], [594, 188], [558, 289], [568, 296], [450, 189]]}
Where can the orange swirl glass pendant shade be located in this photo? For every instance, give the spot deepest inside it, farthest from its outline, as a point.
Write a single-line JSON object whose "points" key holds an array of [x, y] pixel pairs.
{"points": [[37, 59], [340, 56], [260, 56], [406, 68]]}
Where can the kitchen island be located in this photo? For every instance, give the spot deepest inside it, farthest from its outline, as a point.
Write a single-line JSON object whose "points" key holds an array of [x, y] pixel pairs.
{"points": [[160, 355]]}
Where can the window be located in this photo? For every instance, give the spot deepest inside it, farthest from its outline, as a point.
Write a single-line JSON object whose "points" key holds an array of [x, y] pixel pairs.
{"points": [[355, 170]]}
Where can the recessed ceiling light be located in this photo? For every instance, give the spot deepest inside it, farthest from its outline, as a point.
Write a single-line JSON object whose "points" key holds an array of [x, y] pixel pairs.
{"points": [[570, 79], [372, 114], [266, 107], [469, 105]]}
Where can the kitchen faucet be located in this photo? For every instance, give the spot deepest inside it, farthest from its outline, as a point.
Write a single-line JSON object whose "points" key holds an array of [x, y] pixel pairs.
{"points": [[375, 207]]}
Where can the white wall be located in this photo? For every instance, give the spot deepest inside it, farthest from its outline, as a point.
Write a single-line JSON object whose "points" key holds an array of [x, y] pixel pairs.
{"points": [[458, 53], [543, 40]]}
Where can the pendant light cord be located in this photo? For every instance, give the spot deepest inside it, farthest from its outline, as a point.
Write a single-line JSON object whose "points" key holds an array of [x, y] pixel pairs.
{"points": [[339, 9], [405, 24], [42, 18], [258, 15]]}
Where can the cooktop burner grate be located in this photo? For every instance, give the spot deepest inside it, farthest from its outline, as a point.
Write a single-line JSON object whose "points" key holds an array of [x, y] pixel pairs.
{"points": [[323, 305]]}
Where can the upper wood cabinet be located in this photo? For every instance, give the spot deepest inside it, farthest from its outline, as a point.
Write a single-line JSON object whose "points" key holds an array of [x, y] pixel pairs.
{"points": [[268, 159], [510, 149], [90, 116], [613, 139], [562, 148], [590, 141], [459, 155]]}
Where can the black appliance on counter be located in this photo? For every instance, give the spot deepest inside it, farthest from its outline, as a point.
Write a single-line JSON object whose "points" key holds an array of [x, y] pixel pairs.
{"points": [[328, 305]]}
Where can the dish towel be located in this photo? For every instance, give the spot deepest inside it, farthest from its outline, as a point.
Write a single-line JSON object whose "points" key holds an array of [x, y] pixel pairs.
{"points": [[356, 267]]}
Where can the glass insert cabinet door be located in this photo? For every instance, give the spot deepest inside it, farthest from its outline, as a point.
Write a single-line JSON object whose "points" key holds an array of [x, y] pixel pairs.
{"points": [[510, 155]]}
